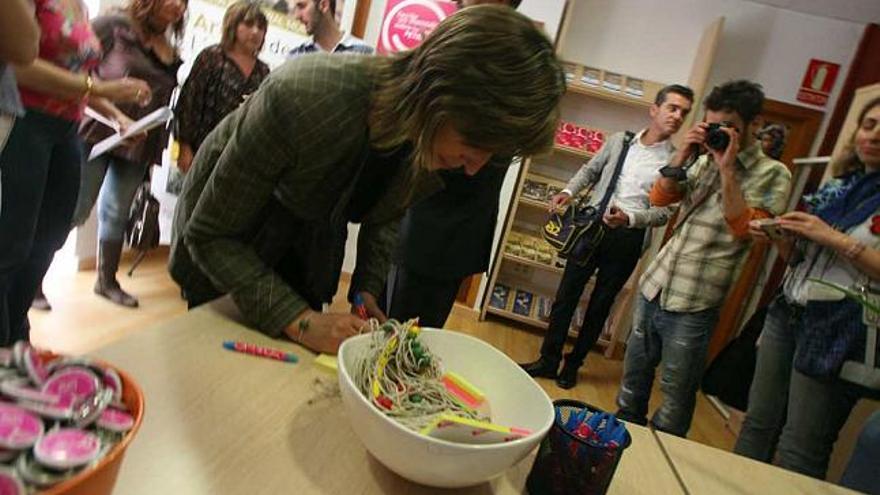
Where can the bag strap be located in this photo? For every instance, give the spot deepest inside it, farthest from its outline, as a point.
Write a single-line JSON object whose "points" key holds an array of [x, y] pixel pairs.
{"points": [[609, 191]]}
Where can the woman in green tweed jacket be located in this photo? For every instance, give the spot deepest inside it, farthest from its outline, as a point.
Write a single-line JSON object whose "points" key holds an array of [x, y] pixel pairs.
{"points": [[329, 140]]}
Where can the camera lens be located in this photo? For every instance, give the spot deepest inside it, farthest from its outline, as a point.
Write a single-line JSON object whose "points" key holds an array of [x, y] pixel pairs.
{"points": [[716, 138]]}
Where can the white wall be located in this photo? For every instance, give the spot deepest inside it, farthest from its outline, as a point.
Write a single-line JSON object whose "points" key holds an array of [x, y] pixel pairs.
{"points": [[658, 41]]}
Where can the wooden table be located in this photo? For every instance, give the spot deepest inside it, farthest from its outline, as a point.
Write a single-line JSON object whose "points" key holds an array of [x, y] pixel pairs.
{"points": [[219, 422], [710, 470]]}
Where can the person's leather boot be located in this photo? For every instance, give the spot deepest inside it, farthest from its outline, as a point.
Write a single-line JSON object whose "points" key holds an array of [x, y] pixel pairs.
{"points": [[107, 286]]}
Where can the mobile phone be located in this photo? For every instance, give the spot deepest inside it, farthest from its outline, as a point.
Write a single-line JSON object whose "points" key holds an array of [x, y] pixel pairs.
{"points": [[771, 227]]}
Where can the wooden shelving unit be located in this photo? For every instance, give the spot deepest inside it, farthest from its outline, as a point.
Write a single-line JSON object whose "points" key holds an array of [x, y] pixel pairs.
{"points": [[616, 97], [603, 343], [510, 315], [533, 263], [534, 204], [573, 151]]}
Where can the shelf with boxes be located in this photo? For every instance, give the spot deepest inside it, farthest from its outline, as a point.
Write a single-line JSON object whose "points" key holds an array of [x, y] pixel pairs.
{"points": [[611, 86], [527, 271]]}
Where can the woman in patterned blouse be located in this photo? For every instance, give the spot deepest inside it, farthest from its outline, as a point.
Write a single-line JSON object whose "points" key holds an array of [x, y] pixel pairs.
{"points": [[221, 77]]}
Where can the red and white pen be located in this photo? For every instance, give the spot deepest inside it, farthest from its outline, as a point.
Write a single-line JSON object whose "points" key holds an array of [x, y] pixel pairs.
{"points": [[256, 350]]}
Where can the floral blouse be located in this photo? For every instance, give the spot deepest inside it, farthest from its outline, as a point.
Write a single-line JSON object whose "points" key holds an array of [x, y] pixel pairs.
{"points": [[215, 87], [67, 41]]}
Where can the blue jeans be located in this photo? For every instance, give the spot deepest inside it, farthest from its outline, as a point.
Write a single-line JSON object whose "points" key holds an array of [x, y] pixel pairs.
{"points": [[680, 341], [113, 182], [809, 412], [817, 410], [861, 471], [40, 166], [768, 397]]}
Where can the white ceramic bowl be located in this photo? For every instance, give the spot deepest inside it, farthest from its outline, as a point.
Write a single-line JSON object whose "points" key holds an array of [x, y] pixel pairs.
{"points": [[515, 400]]}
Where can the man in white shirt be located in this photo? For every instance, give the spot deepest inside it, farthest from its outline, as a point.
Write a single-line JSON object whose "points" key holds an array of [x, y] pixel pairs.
{"points": [[628, 217], [319, 19]]}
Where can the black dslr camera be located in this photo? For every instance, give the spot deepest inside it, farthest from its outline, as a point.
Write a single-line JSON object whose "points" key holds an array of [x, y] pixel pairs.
{"points": [[716, 138]]}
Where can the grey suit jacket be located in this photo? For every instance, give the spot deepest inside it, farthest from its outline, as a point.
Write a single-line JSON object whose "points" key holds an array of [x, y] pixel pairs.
{"points": [[597, 174]]}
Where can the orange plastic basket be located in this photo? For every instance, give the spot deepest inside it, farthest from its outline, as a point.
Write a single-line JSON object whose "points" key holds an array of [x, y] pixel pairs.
{"points": [[100, 479]]}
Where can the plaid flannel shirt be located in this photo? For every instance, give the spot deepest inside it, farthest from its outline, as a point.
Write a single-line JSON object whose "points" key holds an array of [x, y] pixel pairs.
{"points": [[299, 141], [695, 269]]}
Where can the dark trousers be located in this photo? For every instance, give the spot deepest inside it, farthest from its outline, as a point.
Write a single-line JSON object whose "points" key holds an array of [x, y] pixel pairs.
{"points": [[41, 168], [615, 258], [409, 294]]}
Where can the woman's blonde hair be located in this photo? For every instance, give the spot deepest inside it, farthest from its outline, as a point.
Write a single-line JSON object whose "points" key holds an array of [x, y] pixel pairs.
{"points": [[848, 161], [487, 71], [242, 11]]}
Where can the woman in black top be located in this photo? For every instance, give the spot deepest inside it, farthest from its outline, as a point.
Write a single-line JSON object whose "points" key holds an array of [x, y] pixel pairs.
{"points": [[221, 77]]}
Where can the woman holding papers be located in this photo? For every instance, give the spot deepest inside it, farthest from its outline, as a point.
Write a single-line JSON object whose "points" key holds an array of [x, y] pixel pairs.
{"points": [[135, 42], [41, 161]]}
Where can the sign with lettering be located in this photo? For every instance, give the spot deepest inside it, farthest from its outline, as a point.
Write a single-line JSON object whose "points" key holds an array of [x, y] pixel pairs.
{"points": [[408, 22]]}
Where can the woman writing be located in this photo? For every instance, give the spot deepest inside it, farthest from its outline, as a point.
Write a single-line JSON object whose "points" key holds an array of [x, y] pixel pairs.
{"points": [[332, 139]]}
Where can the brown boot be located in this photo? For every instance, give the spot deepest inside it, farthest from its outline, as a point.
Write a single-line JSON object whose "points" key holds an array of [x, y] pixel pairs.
{"points": [[106, 285]]}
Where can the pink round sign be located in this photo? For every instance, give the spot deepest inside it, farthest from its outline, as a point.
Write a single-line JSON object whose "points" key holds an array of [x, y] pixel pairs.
{"points": [[66, 448], [19, 429], [408, 22]]}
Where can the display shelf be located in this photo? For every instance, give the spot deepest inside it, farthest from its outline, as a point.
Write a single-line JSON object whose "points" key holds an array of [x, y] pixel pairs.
{"points": [[533, 263], [528, 320], [613, 96], [573, 151], [534, 204], [602, 343]]}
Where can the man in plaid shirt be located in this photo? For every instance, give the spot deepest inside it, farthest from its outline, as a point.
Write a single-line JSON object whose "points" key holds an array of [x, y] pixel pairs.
{"points": [[683, 289]]}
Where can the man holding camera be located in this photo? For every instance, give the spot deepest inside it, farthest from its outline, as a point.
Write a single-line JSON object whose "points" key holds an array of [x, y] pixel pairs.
{"points": [[628, 219], [723, 181]]}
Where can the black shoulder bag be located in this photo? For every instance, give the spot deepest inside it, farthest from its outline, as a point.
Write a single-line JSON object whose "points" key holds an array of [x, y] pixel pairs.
{"points": [[576, 231], [142, 229]]}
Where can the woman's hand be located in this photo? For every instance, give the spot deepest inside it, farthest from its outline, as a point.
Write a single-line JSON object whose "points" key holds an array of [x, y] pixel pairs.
{"points": [[125, 90], [323, 332], [372, 307], [123, 122], [811, 227]]}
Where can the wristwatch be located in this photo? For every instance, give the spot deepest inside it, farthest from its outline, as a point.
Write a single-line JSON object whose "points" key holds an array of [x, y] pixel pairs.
{"points": [[675, 173]]}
